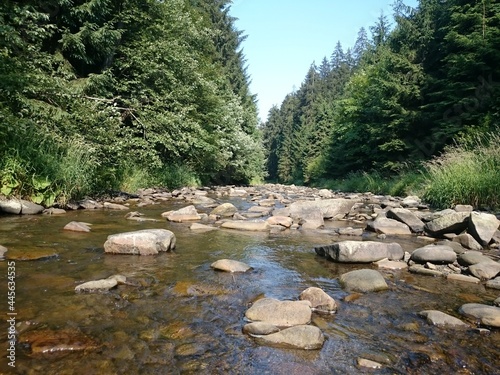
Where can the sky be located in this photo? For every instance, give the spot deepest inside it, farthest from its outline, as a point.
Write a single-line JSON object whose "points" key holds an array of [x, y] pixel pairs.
{"points": [[284, 37]]}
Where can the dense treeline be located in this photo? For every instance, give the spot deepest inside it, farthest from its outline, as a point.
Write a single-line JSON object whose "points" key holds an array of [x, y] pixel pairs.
{"points": [[107, 94], [399, 96]]}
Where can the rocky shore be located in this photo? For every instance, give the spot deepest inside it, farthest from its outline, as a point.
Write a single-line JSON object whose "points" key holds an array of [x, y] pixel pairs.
{"points": [[460, 244]]}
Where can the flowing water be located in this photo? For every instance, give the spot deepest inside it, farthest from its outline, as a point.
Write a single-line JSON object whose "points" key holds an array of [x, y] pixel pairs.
{"points": [[181, 316]]}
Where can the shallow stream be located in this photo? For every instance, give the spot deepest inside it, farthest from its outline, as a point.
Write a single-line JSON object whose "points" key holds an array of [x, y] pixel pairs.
{"points": [[184, 317]]}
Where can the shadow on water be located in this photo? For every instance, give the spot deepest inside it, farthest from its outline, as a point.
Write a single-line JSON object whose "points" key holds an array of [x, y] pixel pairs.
{"points": [[181, 316]]}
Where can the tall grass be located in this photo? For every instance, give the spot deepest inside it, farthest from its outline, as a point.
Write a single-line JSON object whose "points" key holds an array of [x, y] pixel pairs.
{"points": [[466, 173], [405, 183], [46, 169], [171, 176]]}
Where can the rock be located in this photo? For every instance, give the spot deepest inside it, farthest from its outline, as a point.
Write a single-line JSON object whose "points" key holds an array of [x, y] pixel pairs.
{"points": [[188, 213], [284, 221], [224, 210], [437, 254], [454, 222], [363, 281], [141, 242], [467, 241], [472, 257], [298, 337], [3, 250], [325, 194], [20, 207], [457, 247], [463, 208], [280, 313], [485, 270], [312, 219], [246, 225], [115, 206], [422, 270], [137, 216], [329, 208], [485, 314], [391, 265], [77, 226], [493, 284], [497, 302], [482, 227], [229, 265], [439, 318], [46, 342], [237, 192], [202, 227], [259, 209], [411, 201], [31, 254], [260, 328], [349, 231], [53, 211], [320, 300], [101, 285], [407, 217], [89, 204], [362, 362], [267, 203], [388, 226], [361, 251], [460, 277]]}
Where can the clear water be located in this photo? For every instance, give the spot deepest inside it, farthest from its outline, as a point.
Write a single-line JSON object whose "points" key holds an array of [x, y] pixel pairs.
{"points": [[184, 317]]}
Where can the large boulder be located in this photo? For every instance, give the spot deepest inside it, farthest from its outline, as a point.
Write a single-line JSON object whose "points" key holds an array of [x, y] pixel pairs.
{"points": [[473, 257], [187, 213], [487, 315], [439, 318], [454, 222], [406, 216], [298, 337], [329, 208], [361, 251], [439, 254], [229, 265], [482, 226], [389, 226], [280, 313], [255, 226], [485, 270], [224, 210], [141, 242], [363, 281], [20, 207], [320, 300]]}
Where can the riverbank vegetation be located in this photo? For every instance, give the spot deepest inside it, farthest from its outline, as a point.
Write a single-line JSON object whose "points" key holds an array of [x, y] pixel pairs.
{"points": [[100, 95]]}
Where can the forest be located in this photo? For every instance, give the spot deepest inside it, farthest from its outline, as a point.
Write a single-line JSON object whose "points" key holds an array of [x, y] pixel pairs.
{"points": [[108, 95], [410, 98], [99, 95]]}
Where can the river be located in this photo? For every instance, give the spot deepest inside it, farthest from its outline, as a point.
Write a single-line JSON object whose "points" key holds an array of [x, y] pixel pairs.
{"points": [[182, 317]]}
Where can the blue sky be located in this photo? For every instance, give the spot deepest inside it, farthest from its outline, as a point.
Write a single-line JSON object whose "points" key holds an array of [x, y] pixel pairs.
{"points": [[284, 37]]}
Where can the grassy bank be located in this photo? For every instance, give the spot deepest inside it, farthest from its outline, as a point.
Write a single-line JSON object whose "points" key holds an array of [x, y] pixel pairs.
{"points": [[466, 173]]}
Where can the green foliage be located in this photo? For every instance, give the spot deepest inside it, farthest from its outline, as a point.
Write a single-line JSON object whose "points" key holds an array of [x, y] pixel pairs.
{"points": [[466, 173], [99, 94], [407, 182]]}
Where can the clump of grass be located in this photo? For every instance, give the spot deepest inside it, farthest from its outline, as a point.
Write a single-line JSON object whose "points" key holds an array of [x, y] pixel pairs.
{"points": [[466, 173], [405, 183]]}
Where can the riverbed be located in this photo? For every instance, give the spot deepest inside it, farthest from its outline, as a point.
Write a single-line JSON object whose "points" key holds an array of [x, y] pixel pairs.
{"points": [[179, 316]]}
